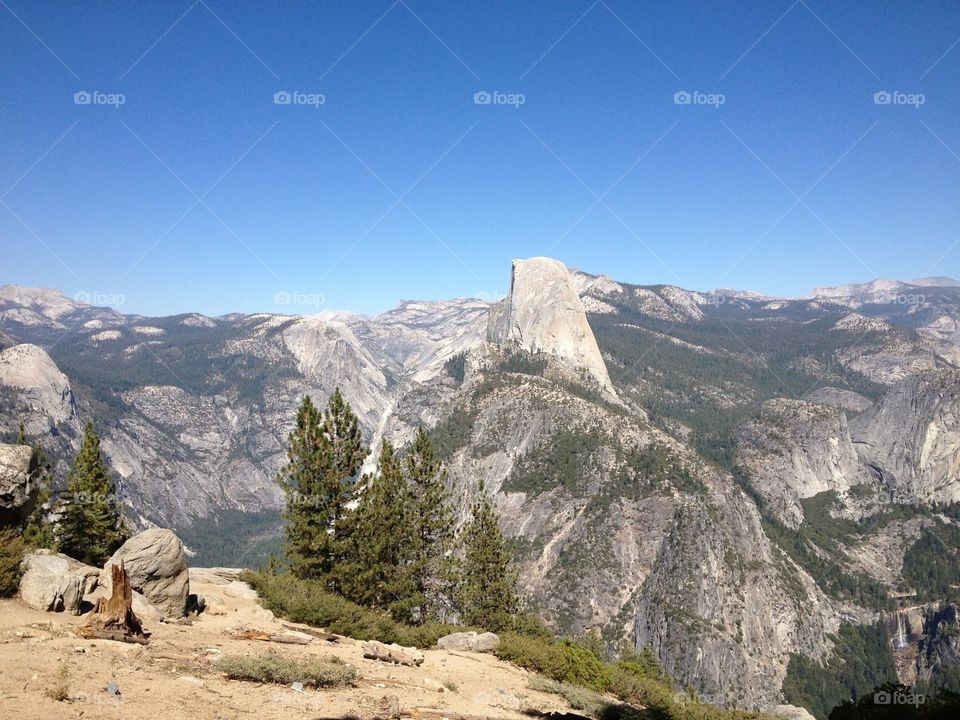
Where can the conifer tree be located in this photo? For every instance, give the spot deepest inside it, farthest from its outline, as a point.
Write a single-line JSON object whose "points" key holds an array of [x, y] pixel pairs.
{"points": [[433, 528], [347, 453], [379, 572], [308, 514], [487, 595], [37, 533], [92, 526], [324, 457]]}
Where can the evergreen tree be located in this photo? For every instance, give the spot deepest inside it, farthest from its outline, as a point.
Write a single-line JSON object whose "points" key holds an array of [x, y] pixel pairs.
{"points": [[21, 435], [308, 513], [37, 533], [324, 457], [487, 595], [91, 527], [433, 526], [379, 571]]}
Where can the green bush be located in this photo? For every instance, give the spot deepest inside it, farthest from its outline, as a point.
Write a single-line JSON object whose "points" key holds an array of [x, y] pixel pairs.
{"points": [[309, 602], [562, 660], [282, 670], [11, 555]]}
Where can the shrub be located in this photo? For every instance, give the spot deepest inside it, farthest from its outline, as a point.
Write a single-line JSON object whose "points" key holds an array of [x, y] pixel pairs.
{"points": [[309, 602], [61, 690], [276, 669], [577, 697], [562, 660], [11, 555]]}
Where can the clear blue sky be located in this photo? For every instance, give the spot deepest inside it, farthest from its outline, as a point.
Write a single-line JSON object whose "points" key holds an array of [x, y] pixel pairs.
{"points": [[313, 200]]}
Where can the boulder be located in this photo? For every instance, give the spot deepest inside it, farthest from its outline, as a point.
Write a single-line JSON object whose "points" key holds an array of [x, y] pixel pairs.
{"points": [[55, 582], [792, 712], [18, 486], [157, 566], [469, 641]]}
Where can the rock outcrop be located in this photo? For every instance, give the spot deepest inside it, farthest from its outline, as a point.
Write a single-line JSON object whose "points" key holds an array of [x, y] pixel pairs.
{"points": [[42, 386], [543, 313], [469, 641], [911, 438], [157, 566], [55, 582], [796, 449], [18, 486]]}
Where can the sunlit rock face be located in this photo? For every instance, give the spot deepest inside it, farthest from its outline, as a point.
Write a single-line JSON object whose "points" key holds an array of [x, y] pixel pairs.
{"points": [[544, 313]]}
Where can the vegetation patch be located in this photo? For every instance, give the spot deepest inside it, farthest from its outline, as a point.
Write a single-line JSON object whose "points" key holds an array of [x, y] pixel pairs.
{"points": [[861, 661], [270, 668], [564, 461], [932, 564], [309, 602]]}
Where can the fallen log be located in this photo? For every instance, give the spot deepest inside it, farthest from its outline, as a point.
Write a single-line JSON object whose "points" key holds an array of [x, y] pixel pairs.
{"points": [[112, 618], [375, 650], [270, 637], [321, 634]]}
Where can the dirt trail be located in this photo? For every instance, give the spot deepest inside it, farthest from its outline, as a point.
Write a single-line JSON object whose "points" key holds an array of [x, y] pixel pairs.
{"points": [[176, 676]]}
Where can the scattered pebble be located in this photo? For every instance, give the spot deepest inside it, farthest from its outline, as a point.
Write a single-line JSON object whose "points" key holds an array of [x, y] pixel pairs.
{"points": [[112, 688], [298, 686]]}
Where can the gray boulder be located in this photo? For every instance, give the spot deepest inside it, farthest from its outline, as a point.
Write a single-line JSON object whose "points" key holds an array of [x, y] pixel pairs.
{"points": [[469, 641], [157, 567], [792, 712], [18, 487], [55, 582]]}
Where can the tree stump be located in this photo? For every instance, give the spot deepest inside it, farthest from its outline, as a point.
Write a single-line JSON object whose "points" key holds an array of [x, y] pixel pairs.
{"points": [[112, 618]]}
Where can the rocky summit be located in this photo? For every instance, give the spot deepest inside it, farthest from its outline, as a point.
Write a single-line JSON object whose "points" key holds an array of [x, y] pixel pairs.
{"points": [[750, 487]]}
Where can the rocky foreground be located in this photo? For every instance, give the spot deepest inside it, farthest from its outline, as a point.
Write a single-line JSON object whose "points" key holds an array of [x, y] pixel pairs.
{"points": [[176, 675]]}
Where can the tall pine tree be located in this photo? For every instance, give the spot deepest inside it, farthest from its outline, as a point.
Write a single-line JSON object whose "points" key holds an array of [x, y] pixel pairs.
{"points": [[347, 452], [308, 513], [323, 459], [486, 594], [433, 529], [91, 527], [37, 533], [380, 570]]}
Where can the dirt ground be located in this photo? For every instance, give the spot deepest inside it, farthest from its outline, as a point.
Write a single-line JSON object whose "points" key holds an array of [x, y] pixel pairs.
{"points": [[175, 676]]}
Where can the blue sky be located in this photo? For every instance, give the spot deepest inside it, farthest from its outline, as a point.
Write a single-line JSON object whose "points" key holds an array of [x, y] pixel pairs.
{"points": [[199, 192]]}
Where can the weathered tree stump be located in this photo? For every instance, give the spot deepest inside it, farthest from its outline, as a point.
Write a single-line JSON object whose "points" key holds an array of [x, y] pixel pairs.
{"points": [[112, 618]]}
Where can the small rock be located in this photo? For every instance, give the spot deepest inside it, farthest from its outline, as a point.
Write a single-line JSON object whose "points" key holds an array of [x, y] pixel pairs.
{"points": [[298, 686], [191, 680], [112, 688], [80, 650], [380, 685]]}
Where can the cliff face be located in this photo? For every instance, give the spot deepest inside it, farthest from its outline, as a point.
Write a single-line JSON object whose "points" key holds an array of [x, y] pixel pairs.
{"points": [[796, 449], [911, 438], [543, 313]]}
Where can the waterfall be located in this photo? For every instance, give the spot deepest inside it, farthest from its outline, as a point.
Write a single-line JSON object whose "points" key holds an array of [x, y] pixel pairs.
{"points": [[901, 641]]}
